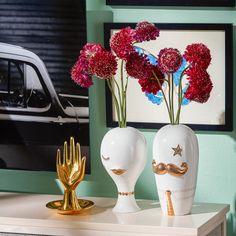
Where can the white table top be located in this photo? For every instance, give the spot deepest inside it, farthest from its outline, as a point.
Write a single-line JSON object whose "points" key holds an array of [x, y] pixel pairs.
{"points": [[26, 213]]}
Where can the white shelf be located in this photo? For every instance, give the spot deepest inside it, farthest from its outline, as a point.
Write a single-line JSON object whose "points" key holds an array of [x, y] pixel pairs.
{"points": [[27, 214]]}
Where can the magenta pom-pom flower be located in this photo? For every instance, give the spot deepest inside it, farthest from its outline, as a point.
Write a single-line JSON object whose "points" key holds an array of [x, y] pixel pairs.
{"points": [[154, 82], [146, 31], [169, 60], [80, 72], [200, 85], [138, 66], [89, 50], [149, 86], [198, 55], [122, 42], [103, 64], [199, 90], [196, 73], [93, 60], [80, 75]]}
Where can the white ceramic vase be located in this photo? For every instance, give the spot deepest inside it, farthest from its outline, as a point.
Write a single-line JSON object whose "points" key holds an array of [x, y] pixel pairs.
{"points": [[124, 154], [175, 164]]}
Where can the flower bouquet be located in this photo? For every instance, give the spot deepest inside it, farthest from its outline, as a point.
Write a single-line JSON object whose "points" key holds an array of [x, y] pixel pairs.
{"points": [[176, 80], [94, 60], [123, 149], [170, 76]]}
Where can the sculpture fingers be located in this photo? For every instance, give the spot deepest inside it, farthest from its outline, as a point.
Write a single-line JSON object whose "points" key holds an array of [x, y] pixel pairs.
{"points": [[58, 157], [72, 150], [78, 155], [65, 153]]}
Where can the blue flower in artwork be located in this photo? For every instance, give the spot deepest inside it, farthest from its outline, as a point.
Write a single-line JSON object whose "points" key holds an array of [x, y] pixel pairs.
{"points": [[155, 99], [177, 74], [152, 59], [185, 101], [139, 50]]}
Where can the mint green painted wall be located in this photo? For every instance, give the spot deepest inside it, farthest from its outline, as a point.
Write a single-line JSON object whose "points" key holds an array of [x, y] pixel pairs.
{"points": [[217, 175]]}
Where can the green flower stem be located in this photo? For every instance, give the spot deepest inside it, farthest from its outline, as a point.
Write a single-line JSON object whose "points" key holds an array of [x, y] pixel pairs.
{"points": [[125, 103], [120, 96], [172, 99], [123, 94], [180, 96], [164, 96], [179, 103], [118, 90], [121, 101], [109, 83]]}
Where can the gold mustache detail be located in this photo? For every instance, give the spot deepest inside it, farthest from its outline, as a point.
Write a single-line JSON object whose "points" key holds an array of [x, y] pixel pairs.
{"points": [[118, 171], [170, 168]]}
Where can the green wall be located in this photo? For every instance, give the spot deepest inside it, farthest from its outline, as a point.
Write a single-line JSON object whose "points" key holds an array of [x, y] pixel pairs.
{"points": [[217, 175]]}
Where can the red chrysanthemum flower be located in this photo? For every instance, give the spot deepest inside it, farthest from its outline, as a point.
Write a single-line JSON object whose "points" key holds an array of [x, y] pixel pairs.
{"points": [[169, 60], [151, 85], [200, 91], [121, 42], [82, 71], [80, 75], [198, 55], [146, 31], [89, 50], [103, 64], [138, 66], [196, 73], [200, 85]]}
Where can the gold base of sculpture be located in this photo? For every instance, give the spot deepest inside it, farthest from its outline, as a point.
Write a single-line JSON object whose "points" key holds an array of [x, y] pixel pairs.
{"points": [[57, 204]]}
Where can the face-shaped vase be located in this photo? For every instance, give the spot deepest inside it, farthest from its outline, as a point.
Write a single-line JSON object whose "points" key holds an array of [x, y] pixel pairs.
{"points": [[175, 164], [123, 154]]}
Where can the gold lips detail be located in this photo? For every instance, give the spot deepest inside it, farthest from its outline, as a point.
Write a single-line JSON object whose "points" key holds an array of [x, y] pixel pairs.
{"points": [[170, 168], [118, 171], [105, 158]]}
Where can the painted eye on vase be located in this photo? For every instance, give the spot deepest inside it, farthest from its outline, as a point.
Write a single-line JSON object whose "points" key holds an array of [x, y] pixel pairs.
{"points": [[105, 158]]}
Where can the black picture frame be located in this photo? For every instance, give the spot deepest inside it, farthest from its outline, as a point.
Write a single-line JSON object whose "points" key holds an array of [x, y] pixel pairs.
{"points": [[192, 3], [39, 43], [226, 31]]}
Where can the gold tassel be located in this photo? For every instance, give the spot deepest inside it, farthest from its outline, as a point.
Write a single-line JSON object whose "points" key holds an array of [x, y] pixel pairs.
{"points": [[170, 209]]}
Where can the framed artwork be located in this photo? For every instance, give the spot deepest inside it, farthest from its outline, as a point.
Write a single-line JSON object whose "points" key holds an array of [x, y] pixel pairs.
{"points": [[197, 3], [216, 113], [40, 106]]}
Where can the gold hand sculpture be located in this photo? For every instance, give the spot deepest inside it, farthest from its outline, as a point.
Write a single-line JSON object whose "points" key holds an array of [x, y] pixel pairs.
{"points": [[70, 171]]}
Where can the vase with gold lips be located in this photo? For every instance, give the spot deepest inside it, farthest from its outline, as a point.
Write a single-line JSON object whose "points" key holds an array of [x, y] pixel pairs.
{"points": [[175, 165], [123, 154]]}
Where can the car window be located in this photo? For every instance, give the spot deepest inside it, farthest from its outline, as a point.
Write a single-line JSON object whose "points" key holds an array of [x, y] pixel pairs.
{"points": [[20, 86]]}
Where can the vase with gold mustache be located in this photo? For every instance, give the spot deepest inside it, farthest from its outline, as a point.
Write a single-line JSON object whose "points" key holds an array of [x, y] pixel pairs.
{"points": [[175, 165], [124, 154]]}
